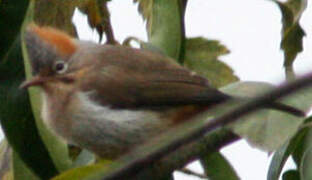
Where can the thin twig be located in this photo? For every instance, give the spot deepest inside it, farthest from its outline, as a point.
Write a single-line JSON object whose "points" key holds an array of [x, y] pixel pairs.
{"points": [[193, 173], [109, 33], [182, 7], [132, 167], [290, 73], [210, 143]]}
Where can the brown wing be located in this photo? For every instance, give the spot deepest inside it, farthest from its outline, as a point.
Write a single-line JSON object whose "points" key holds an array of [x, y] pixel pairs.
{"points": [[131, 78]]}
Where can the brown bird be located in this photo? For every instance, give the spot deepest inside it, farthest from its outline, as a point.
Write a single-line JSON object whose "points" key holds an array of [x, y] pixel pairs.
{"points": [[108, 99]]}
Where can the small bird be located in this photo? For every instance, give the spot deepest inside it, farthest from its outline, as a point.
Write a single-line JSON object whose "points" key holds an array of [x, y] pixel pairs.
{"points": [[109, 99]]}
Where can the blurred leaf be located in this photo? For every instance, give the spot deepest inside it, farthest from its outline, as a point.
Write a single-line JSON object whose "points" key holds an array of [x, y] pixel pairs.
{"points": [[97, 14], [12, 14], [20, 169], [56, 147], [146, 9], [302, 148], [217, 167], [16, 117], [292, 33], [59, 13], [56, 13], [268, 129], [201, 56], [8, 176], [90, 172], [164, 26], [291, 175], [5, 161], [306, 165], [170, 177], [281, 155]]}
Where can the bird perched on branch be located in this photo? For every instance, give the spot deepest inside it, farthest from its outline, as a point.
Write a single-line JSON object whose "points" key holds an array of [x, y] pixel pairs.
{"points": [[108, 99]]}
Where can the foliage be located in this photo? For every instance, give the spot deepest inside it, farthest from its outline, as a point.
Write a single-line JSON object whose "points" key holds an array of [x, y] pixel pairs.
{"points": [[219, 169], [35, 153], [292, 32]]}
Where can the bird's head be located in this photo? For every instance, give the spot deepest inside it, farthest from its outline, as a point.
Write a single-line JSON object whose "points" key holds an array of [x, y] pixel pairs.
{"points": [[51, 54]]}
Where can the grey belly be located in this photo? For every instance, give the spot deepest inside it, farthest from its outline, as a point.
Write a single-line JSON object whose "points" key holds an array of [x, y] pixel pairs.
{"points": [[113, 136]]}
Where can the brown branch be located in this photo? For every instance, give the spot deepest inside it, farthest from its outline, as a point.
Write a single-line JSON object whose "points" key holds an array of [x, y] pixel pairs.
{"points": [[187, 153], [182, 7], [109, 33], [133, 166]]}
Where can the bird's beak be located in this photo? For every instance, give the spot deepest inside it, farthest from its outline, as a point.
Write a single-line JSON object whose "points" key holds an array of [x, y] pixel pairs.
{"points": [[35, 81]]}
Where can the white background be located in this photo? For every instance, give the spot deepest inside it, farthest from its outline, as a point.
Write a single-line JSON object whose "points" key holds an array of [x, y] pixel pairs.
{"points": [[250, 29]]}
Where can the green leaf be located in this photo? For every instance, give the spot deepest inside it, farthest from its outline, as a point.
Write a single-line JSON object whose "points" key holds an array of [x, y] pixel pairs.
{"points": [[304, 144], [268, 129], [90, 172], [201, 56], [291, 175], [59, 13], [146, 9], [56, 147], [164, 24], [16, 117], [292, 33], [11, 19], [217, 167], [281, 155], [306, 164], [20, 169], [96, 13]]}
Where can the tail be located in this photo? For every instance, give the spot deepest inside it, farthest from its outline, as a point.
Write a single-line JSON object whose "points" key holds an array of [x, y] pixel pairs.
{"points": [[277, 106], [286, 108], [213, 97]]}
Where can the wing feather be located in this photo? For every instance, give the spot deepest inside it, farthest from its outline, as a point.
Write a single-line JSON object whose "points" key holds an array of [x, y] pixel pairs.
{"points": [[133, 78]]}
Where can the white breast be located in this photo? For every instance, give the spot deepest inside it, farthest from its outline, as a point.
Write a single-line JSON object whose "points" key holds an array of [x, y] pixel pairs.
{"points": [[115, 115]]}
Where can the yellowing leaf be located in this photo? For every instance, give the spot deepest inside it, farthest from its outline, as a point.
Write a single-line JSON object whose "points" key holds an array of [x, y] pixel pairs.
{"points": [[97, 14], [90, 172], [201, 56], [292, 33], [217, 167]]}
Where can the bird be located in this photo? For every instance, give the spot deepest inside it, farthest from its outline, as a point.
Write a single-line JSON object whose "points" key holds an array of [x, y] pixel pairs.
{"points": [[109, 99]]}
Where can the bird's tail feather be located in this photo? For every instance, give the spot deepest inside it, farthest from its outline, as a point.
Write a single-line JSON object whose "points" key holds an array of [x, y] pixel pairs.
{"points": [[275, 105], [286, 108]]}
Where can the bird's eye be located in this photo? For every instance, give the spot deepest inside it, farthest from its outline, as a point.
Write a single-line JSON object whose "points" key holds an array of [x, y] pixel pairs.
{"points": [[60, 67]]}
